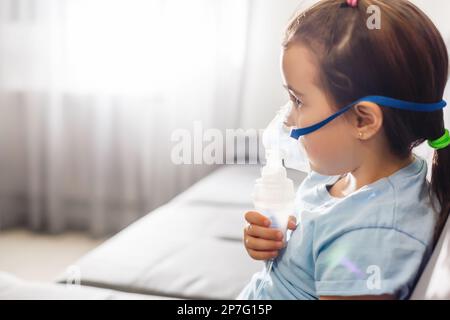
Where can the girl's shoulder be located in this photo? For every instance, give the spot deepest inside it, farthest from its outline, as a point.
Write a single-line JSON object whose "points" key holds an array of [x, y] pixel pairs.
{"points": [[399, 202]]}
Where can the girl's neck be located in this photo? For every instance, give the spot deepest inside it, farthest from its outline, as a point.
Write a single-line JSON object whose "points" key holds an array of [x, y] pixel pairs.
{"points": [[368, 172]]}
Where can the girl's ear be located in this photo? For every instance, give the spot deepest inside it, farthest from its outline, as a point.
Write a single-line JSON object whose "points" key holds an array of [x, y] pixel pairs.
{"points": [[368, 119]]}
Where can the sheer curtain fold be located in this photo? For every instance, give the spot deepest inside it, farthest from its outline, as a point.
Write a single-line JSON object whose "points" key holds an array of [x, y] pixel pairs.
{"points": [[90, 92]]}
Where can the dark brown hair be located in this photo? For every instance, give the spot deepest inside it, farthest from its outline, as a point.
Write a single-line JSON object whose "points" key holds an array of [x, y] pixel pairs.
{"points": [[405, 59]]}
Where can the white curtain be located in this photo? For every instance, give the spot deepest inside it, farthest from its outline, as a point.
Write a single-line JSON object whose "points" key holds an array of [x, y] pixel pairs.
{"points": [[90, 92]]}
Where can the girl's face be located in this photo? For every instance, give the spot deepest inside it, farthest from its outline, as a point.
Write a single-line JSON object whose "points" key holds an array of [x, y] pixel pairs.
{"points": [[333, 149]]}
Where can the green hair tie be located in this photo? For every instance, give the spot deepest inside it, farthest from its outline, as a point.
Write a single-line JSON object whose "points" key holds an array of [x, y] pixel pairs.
{"points": [[441, 142]]}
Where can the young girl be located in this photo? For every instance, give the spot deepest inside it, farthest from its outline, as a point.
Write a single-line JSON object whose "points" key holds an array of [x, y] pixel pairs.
{"points": [[368, 218]]}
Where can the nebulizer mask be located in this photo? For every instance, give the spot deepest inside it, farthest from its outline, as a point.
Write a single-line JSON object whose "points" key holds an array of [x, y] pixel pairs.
{"points": [[277, 138], [274, 193]]}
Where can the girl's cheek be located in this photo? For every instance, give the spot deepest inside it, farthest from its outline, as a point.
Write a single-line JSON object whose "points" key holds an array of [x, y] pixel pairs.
{"points": [[306, 117], [322, 151], [303, 119], [312, 147]]}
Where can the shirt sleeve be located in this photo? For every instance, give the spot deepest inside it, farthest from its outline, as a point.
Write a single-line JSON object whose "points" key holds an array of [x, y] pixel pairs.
{"points": [[369, 261]]}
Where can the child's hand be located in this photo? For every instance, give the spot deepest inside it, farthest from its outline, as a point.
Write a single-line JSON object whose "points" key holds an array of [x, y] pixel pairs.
{"points": [[261, 241]]}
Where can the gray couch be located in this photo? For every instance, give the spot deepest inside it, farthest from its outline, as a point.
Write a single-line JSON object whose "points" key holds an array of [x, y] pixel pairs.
{"points": [[12, 287], [192, 248], [189, 248]]}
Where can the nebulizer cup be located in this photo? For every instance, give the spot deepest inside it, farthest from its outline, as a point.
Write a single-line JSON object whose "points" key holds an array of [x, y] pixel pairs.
{"points": [[274, 194]]}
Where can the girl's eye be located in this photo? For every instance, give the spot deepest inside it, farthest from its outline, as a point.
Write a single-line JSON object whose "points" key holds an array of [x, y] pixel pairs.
{"points": [[297, 102]]}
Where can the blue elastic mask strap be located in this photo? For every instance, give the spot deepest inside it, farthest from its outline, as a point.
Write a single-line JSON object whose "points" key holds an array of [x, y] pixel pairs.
{"points": [[380, 100]]}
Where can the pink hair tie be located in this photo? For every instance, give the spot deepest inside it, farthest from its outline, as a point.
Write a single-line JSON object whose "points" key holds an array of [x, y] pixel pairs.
{"points": [[352, 3]]}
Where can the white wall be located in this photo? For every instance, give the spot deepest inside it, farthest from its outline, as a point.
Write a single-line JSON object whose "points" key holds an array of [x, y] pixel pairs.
{"points": [[263, 93], [438, 11]]}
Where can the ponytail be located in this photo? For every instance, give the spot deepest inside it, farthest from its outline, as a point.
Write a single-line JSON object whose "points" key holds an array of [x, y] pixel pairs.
{"points": [[440, 186]]}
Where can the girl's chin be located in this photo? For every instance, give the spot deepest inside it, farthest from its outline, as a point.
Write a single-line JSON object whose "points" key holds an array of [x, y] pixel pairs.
{"points": [[323, 171], [317, 169]]}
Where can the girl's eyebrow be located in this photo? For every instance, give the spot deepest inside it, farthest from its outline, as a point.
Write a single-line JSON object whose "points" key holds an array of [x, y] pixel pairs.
{"points": [[297, 93]]}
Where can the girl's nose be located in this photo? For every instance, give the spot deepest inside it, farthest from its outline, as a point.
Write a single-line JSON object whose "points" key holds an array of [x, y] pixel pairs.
{"points": [[291, 119]]}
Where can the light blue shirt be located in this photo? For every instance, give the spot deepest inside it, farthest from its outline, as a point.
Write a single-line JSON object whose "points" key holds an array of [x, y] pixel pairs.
{"points": [[373, 241]]}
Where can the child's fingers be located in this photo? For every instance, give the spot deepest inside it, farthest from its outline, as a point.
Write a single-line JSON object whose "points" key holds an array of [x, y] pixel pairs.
{"points": [[257, 218], [262, 244], [292, 224], [262, 255], [264, 232]]}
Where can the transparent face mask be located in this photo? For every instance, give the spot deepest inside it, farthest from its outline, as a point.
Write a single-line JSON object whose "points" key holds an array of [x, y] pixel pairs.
{"points": [[277, 136]]}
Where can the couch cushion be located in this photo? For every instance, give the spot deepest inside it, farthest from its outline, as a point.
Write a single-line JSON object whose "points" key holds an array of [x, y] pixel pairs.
{"points": [[231, 185], [178, 250], [190, 248], [13, 288]]}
